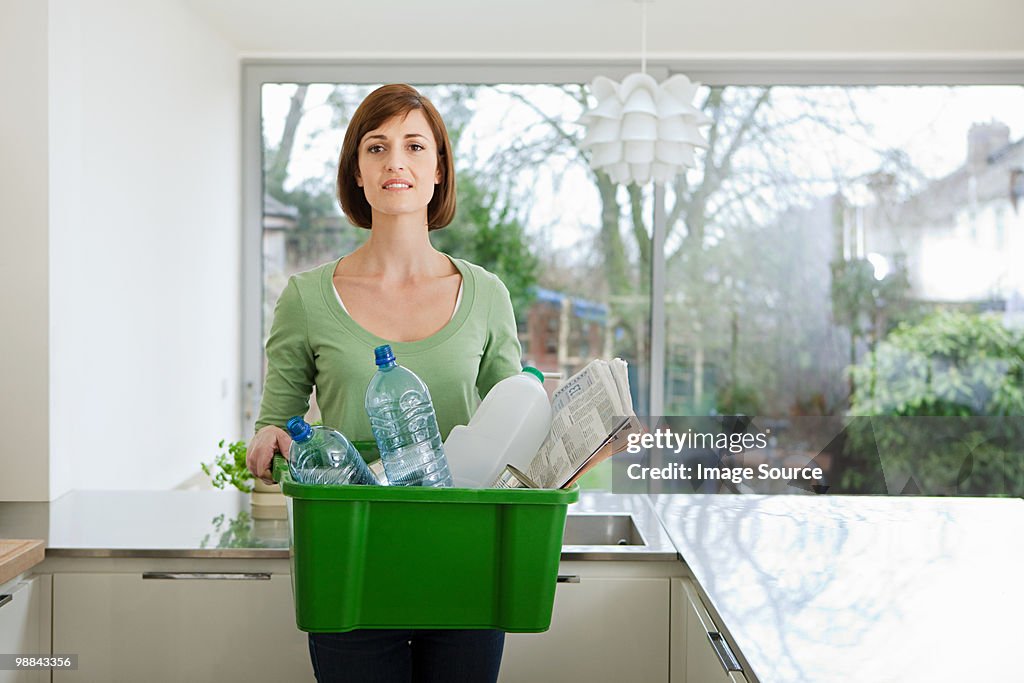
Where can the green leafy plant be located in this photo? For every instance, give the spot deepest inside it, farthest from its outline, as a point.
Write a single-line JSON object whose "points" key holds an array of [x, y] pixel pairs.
{"points": [[229, 467], [948, 364], [945, 398]]}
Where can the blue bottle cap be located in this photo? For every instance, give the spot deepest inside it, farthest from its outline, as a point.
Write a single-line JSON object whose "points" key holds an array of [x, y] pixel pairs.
{"points": [[299, 430], [383, 355]]}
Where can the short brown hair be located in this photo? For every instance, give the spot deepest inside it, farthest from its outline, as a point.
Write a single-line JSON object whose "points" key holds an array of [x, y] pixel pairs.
{"points": [[380, 106]]}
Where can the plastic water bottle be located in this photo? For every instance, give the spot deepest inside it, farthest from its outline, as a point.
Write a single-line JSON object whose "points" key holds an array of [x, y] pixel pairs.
{"points": [[404, 424], [320, 455], [508, 428]]}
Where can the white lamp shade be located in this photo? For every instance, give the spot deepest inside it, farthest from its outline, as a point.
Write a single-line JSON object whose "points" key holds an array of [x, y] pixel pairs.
{"points": [[606, 154], [680, 87], [604, 88], [602, 131], [640, 173], [619, 173], [639, 126], [640, 131], [676, 154], [608, 109], [669, 106], [634, 81], [640, 101], [638, 151], [676, 130]]}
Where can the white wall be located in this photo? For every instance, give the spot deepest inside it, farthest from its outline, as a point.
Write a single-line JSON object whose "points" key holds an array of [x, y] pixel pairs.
{"points": [[144, 243], [24, 467]]}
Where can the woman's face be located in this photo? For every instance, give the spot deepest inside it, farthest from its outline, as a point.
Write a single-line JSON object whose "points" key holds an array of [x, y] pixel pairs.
{"points": [[398, 165]]}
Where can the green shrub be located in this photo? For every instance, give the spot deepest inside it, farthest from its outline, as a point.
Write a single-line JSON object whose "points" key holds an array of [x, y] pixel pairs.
{"points": [[948, 364], [951, 392]]}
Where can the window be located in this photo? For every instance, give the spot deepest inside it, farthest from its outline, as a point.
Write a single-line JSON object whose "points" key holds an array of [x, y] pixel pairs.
{"points": [[828, 230]]}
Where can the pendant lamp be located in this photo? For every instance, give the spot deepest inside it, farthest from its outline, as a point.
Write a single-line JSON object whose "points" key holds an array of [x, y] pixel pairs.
{"points": [[641, 130]]}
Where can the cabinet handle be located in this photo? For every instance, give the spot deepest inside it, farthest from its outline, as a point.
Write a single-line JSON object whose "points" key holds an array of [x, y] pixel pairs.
{"points": [[215, 576], [724, 652], [5, 598], [568, 578]]}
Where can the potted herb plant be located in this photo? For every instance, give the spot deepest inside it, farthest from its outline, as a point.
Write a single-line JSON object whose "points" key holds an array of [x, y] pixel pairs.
{"points": [[229, 469]]}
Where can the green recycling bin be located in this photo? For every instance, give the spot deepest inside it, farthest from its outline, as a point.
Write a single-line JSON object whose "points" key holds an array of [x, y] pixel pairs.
{"points": [[415, 557]]}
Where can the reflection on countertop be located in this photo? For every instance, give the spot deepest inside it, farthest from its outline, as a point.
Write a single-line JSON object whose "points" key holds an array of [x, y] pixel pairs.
{"points": [[147, 524], [220, 524], [858, 588]]}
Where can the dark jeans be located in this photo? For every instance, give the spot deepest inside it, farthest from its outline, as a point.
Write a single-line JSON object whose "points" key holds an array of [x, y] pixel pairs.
{"points": [[404, 656]]}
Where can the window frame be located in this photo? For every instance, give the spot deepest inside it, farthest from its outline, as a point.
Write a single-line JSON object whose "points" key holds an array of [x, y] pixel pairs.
{"points": [[776, 70]]}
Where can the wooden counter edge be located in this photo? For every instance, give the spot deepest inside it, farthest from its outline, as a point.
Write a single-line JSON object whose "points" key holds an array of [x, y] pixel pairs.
{"points": [[18, 556]]}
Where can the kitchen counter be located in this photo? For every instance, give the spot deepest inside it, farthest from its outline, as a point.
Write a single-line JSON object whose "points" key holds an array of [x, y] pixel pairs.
{"points": [[147, 524], [806, 588], [17, 556], [858, 588], [218, 524]]}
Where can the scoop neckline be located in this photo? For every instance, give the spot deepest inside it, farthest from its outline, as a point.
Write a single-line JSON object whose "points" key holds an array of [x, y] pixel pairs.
{"points": [[406, 347]]}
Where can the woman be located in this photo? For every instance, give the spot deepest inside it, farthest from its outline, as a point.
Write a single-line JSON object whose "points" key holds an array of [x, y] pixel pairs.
{"points": [[449, 321]]}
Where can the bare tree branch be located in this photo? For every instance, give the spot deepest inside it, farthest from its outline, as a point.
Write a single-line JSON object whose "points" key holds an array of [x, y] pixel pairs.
{"points": [[278, 170]]}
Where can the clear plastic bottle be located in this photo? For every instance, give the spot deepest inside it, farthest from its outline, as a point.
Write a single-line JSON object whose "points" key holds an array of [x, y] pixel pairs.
{"points": [[320, 455], [508, 428], [404, 424]]}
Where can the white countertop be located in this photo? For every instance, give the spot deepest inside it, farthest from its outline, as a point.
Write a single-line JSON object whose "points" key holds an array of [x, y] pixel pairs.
{"points": [[860, 588], [809, 588]]}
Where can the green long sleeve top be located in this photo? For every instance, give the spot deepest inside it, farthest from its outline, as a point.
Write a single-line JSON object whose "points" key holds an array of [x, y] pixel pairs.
{"points": [[314, 342]]}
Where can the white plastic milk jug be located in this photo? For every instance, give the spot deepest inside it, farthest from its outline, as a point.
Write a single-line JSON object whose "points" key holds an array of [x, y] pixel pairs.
{"points": [[508, 428]]}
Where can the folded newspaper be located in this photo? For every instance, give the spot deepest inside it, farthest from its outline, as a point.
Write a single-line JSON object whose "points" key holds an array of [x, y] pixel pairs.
{"points": [[592, 418]]}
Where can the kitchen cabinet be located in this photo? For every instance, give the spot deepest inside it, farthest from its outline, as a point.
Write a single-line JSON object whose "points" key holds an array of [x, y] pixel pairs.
{"points": [[699, 653], [610, 626], [178, 626], [25, 625], [603, 629]]}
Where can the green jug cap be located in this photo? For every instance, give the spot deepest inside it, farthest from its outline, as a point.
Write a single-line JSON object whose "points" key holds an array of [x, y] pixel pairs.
{"points": [[535, 372]]}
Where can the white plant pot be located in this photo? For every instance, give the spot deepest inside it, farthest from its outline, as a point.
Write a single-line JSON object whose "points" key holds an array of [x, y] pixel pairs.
{"points": [[268, 502]]}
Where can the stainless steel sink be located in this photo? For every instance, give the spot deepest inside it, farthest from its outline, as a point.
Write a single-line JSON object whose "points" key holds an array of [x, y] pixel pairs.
{"points": [[601, 530]]}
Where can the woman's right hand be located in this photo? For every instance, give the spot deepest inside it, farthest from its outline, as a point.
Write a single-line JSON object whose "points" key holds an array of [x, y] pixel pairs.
{"points": [[268, 441]]}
